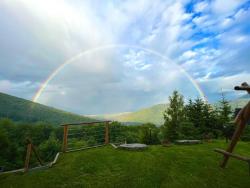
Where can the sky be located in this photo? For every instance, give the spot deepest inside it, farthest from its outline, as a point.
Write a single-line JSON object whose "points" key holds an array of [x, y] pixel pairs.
{"points": [[101, 57]]}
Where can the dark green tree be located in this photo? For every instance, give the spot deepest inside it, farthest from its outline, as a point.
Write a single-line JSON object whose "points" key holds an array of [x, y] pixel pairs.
{"points": [[203, 117], [224, 117], [225, 111], [173, 116], [188, 131], [195, 113]]}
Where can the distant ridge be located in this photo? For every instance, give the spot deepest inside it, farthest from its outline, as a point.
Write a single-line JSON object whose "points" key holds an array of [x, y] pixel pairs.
{"points": [[240, 102], [154, 114], [19, 109]]}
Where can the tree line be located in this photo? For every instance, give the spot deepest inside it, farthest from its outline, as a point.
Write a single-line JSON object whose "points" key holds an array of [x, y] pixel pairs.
{"points": [[197, 119]]}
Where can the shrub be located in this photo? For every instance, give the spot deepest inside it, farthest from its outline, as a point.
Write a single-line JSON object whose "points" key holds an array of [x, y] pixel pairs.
{"points": [[149, 134], [49, 148]]}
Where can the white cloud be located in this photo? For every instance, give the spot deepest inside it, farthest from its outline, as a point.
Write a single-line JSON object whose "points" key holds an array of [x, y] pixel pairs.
{"points": [[200, 60], [137, 60], [226, 82], [201, 6], [226, 7], [23, 89], [227, 22], [170, 30], [188, 54]]}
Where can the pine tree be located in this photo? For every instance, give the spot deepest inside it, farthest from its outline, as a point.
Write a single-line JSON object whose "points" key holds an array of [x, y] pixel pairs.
{"points": [[224, 117], [225, 111], [202, 116], [173, 116]]}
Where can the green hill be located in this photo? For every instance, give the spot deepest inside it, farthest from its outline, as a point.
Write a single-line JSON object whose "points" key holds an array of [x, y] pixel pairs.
{"points": [[240, 102], [194, 166], [153, 114], [19, 109]]}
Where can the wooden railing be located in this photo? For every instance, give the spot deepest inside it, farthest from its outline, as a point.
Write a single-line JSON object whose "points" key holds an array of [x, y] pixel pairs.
{"points": [[66, 128]]}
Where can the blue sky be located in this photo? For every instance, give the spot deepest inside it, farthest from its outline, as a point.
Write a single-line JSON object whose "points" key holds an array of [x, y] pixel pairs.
{"points": [[209, 40]]}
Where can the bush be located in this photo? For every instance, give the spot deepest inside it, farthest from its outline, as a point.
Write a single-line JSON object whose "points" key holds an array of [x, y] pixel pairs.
{"points": [[49, 148], [132, 136], [149, 134]]}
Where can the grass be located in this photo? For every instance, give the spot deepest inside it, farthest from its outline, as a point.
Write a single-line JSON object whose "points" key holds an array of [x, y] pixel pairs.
{"points": [[176, 166]]}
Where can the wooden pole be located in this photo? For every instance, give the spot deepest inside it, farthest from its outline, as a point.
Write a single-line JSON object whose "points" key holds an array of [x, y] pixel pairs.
{"points": [[28, 154], [232, 155], [235, 139], [241, 120], [107, 133], [65, 138]]}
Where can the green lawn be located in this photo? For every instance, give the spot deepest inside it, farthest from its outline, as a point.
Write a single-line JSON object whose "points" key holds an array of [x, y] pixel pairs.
{"points": [[176, 166]]}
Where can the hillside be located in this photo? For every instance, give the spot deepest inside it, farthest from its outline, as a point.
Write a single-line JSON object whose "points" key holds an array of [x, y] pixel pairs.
{"points": [[153, 114], [194, 166], [240, 102], [19, 109]]}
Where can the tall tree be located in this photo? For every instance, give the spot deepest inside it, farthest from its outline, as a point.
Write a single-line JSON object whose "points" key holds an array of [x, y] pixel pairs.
{"points": [[195, 112], [224, 117], [203, 117], [225, 111], [173, 116]]}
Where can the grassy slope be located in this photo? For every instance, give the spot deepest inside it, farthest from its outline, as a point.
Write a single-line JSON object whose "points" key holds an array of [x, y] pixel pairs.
{"points": [[24, 110], [152, 114], [177, 166]]}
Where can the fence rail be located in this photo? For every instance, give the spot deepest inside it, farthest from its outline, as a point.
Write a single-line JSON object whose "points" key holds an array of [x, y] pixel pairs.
{"points": [[79, 138]]}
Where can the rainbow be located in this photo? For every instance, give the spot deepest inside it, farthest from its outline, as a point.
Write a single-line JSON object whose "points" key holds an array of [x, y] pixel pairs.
{"points": [[71, 60]]}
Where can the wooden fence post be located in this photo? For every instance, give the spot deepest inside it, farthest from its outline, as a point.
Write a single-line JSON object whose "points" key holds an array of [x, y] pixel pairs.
{"points": [[65, 138], [30, 147], [27, 160], [107, 133]]}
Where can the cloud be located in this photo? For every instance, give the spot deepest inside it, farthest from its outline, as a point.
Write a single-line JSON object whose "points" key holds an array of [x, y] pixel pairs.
{"points": [[214, 86], [22, 89], [189, 54], [208, 39], [137, 60], [201, 6], [219, 7]]}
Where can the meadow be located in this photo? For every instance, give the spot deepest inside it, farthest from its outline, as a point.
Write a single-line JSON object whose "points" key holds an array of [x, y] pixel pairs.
{"points": [[176, 167]]}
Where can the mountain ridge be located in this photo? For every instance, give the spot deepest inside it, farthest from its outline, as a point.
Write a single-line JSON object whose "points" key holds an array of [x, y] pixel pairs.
{"points": [[152, 114], [24, 110]]}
